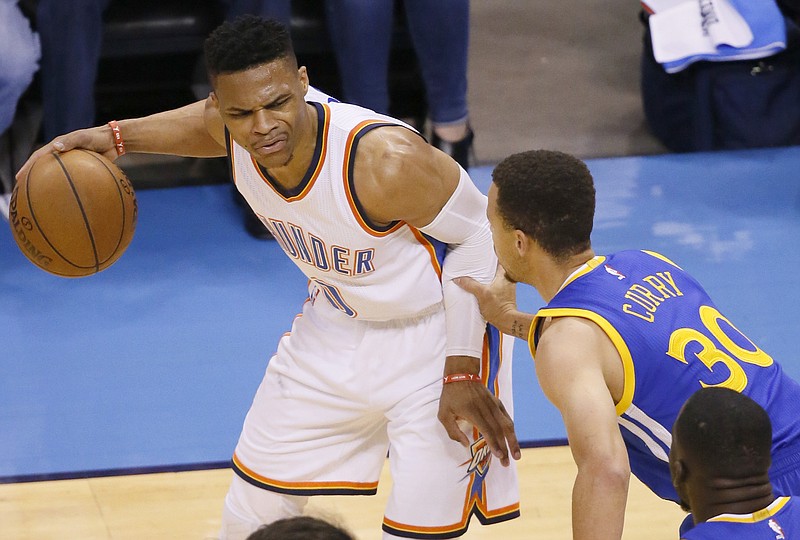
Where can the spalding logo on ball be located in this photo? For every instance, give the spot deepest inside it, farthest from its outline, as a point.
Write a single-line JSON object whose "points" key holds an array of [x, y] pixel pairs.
{"points": [[74, 214]]}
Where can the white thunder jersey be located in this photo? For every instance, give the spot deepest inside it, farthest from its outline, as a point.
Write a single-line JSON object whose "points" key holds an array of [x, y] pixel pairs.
{"points": [[367, 272]]}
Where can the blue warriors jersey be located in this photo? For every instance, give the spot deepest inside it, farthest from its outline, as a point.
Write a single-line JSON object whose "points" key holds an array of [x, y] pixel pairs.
{"points": [[673, 340], [779, 521]]}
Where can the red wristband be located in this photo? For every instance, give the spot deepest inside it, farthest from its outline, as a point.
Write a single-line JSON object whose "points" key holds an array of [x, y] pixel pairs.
{"points": [[458, 377], [119, 144]]}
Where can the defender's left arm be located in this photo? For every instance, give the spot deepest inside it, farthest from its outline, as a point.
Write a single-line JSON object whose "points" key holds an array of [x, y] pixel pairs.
{"points": [[402, 178]]}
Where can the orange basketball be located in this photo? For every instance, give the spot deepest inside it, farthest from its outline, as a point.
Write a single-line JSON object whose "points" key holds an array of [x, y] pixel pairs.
{"points": [[74, 214]]}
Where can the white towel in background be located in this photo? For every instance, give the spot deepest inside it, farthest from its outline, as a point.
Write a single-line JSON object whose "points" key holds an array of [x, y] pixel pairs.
{"points": [[654, 6], [688, 31]]}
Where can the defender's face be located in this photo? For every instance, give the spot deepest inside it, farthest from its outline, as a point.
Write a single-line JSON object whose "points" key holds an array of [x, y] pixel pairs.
{"points": [[503, 237], [264, 109]]}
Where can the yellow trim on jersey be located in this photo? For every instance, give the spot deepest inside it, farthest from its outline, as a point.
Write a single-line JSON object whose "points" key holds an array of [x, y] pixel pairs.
{"points": [[629, 379], [760, 515], [588, 266], [348, 156], [231, 152], [317, 168], [366, 486], [660, 256], [430, 249]]}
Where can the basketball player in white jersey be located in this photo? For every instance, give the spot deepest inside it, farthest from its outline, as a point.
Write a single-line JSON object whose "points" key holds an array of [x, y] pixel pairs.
{"points": [[388, 355]]}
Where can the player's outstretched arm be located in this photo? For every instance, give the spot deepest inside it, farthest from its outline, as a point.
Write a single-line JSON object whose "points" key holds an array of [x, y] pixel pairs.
{"points": [[498, 303], [570, 373], [187, 131]]}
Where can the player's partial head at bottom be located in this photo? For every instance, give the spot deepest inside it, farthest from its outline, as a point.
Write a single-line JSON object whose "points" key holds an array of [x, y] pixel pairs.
{"points": [[300, 528]]}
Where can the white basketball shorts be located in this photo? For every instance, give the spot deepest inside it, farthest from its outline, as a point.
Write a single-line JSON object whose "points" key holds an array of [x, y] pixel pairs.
{"points": [[341, 393]]}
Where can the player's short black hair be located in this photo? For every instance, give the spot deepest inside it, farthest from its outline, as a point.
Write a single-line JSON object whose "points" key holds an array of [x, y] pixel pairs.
{"points": [[728, 433], [245, 42], [300, 528], [549, 196]]}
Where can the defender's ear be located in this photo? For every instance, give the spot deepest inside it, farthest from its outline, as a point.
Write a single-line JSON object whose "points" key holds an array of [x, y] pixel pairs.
{"points": [[303, 74], [521, 242], [677, 472]]}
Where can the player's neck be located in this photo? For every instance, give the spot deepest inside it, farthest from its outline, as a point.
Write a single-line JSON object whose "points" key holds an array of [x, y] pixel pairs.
{"points": [[742, 496], [557, 272]]}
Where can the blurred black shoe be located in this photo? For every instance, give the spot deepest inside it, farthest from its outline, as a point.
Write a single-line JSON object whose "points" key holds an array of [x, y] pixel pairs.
{"points": [[458, 150], [252, 224]]}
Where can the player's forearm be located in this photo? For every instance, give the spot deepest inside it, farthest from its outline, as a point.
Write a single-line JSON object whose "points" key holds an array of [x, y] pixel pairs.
{"points": [[466, 327], [179, 132], [598, 503], [514, 323]]}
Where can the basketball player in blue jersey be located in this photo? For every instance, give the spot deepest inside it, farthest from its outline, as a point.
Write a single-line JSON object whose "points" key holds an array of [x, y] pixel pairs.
{"points": [[389, 354], [720, 460], [623, 341]]}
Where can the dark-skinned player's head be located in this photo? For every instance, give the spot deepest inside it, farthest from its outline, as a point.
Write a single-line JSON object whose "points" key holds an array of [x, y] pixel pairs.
{"points": [[719, 434], [246, 42], [300, 528], [549, 196]]}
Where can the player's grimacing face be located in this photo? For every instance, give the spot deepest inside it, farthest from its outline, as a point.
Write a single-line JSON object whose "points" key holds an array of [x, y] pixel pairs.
{"points": [[263, 107]]}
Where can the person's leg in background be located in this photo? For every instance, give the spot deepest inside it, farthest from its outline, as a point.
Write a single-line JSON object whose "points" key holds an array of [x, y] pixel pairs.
{"points": [[247, 507], [19, 61], [361, 33], [440, 32], [280, 10], [18, 64], [71, 35]]}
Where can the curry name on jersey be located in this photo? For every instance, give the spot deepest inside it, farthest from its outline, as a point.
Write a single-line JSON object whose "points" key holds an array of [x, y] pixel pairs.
{"points": [[673, 340]]}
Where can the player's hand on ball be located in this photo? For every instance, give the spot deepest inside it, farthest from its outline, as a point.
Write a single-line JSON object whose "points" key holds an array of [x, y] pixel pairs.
{"points": [[97, 139], [73, 214]]}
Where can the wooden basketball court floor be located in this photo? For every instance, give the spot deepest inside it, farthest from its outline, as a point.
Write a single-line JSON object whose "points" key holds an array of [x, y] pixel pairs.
{"points": [[121, 395]]}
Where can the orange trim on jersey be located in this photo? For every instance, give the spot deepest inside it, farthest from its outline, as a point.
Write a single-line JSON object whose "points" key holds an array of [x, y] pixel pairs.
{"points": [[348, 156], [429, 247], [232, 156], [366, 486], [317, 167], [486, 358], [472, 502]]}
